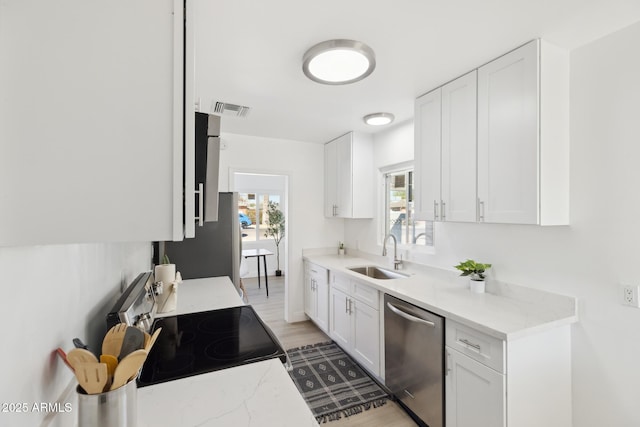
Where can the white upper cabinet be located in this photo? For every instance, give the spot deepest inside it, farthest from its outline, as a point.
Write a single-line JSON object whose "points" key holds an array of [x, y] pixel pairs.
{"points": [[427, 155], [445, 151], [92, 112], [348, 165], [458, 159], [523, 137], [493, 145]]}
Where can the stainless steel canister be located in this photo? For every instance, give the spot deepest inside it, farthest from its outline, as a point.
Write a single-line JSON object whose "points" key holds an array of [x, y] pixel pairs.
{"points": [[115, 408]]}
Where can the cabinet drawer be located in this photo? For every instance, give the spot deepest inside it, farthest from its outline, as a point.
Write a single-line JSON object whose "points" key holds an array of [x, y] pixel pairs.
{"points": [[317, 272], [366, 294], [477, 345], [341, 282]]}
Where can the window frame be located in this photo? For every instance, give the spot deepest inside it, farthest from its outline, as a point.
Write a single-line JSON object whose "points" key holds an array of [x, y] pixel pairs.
{"points": [[384, 206]]}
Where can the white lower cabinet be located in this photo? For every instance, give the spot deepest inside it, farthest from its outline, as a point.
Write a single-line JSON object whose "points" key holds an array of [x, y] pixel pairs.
{"points": [[316, 295], [524, 382], [354, 324], [475, 393], [340, 324]]}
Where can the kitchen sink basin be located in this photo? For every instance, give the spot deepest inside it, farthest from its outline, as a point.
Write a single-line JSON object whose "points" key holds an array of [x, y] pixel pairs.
{"points": [[378, 273]]}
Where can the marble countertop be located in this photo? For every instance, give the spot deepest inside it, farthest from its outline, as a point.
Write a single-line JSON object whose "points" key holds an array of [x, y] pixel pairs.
{"points": [[507, 312], [258, 394], [211, 293], [254, 395]]}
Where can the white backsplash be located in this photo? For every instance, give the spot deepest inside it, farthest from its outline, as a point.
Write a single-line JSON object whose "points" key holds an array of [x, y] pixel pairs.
{"points": [[52, 294]]}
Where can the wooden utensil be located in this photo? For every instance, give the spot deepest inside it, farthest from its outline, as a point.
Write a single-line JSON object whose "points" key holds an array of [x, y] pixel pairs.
{"points": [[92, 376], [80, 355], [133, 340], [153, 339], [112, 342], [128, 368], [112, 364], [147, 338], [110, 361]]}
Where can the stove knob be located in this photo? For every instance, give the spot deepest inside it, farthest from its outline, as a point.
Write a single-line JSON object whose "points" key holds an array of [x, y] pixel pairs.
{"points": [[157, 288], [144, 321]]}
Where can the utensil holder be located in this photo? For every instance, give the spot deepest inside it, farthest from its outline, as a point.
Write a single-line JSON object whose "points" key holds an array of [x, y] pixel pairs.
{"points": [[115, 408]]}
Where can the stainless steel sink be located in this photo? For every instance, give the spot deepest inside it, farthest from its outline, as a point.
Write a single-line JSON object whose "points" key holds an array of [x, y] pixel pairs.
{"points": [[378, 273]]}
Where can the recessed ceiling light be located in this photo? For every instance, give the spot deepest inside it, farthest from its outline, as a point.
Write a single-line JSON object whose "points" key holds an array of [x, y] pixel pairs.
{"points": [[338, 62], [378, 119]]}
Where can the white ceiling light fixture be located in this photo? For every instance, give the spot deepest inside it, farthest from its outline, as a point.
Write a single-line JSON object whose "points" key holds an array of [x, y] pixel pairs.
{"points": [[378, 119], [338, 62]]}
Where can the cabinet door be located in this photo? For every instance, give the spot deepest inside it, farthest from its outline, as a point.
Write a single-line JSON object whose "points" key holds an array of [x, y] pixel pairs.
{"points": [[344, 176], [340, 319], [458, 159], [366, 335], [189, 129], [474, 393], [427, 155], [330, 178], [322, 303], [508, 99], [90, 147], [309, 294]]}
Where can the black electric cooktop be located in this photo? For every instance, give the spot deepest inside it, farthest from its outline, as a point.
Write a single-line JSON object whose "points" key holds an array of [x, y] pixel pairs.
{"points": [[196, 343]]}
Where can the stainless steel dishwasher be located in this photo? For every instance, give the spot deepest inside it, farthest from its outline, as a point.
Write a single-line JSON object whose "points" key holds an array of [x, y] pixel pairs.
{"points": [[414, 359]]}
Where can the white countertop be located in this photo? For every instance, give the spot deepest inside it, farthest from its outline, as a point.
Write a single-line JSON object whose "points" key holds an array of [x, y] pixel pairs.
{"points": [[211, 293], [254, 395], [257, 394], [515, 313]]}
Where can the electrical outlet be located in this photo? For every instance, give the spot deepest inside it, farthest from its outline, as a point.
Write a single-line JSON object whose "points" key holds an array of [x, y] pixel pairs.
{"points": [[630, 295]]}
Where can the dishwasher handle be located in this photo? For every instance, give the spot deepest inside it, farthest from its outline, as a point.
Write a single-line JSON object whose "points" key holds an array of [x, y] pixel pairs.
{"points": [[407, 316]]}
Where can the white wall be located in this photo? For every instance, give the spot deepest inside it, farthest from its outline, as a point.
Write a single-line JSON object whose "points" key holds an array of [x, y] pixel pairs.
{"points": [[306, 226], [597, 252], [51, 294]]}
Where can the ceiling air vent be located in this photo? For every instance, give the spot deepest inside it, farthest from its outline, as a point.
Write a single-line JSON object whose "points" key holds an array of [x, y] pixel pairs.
{"points": [[224, 108]]}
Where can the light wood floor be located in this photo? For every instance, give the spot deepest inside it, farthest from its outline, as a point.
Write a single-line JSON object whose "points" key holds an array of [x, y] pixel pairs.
{"points": [[292, 335]]}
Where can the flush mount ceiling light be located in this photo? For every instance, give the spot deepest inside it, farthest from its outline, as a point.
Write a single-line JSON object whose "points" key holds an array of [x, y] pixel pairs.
{"points": [[378, 119], [338, 62]]}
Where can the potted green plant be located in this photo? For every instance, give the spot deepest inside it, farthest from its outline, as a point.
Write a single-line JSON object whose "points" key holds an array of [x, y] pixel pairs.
{"points": [[275, 229], [476, 273], [340, 248]]}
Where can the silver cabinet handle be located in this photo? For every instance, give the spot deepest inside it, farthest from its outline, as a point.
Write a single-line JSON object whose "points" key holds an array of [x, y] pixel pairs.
{"points": [[346, 305], [350, 306], [443, 213], [435, 210], [200, 193], [409, 317], [481, 210], [447, 369], [470, 344]]}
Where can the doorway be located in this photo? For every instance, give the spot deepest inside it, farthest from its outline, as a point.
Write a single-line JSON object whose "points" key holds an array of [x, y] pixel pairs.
{"points": [[259, 193]]}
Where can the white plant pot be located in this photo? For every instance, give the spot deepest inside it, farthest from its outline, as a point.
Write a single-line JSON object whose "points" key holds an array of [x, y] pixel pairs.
{"points": [[476, 286], [165, 273], [340, 251]]}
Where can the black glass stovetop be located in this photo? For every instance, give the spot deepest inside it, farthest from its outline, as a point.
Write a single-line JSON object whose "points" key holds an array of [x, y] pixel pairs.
{"points": [[196, 343]]}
